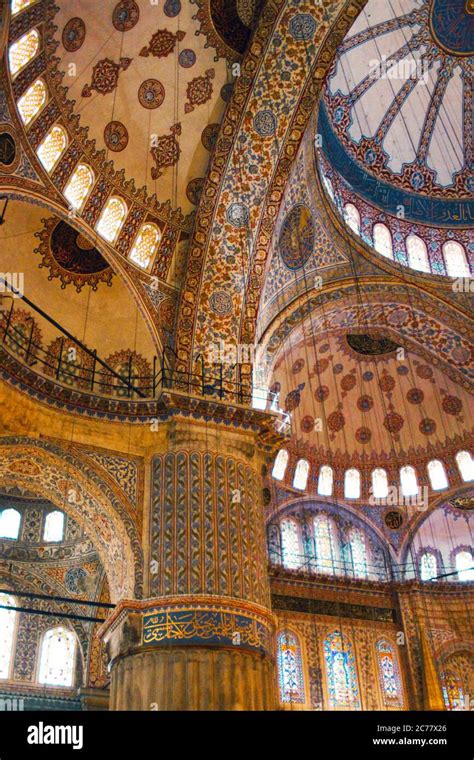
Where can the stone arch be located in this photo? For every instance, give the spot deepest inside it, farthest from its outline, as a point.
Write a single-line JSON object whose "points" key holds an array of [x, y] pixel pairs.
{"points": [[74, 487]]}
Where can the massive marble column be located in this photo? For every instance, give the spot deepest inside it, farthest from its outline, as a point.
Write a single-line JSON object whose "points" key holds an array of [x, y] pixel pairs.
{"points": [[203, 640]]}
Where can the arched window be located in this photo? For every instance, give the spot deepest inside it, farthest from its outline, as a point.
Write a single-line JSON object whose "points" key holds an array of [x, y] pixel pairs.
{"points": [[280, 465], [352, 484], [79, 185], [325, 480], [343, 690], [383, 240], [453, 691], [301, 475], [52, 147], [352, 217], [32, 101], [57, 657], [464, 565], [23, 50], [389, 674], [359, 553], [428, 566], [379, 483], [465, 465], [437, 475], [145, 245], [290, 668], [54, 526], [7, 634], [290, 544], [19, 5], [408, 481], [325, 544], [10, 523], [455, 259], [417, 253], [112, 218]]}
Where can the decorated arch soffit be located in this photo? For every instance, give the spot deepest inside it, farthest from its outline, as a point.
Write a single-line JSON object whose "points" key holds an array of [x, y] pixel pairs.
{"points": [[69, 483]]}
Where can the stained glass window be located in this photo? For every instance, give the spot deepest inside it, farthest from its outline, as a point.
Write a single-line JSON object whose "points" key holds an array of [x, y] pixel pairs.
{"points": [[465, 566], [379, 483], [383, 240], [428, 566], [343, 691], [455, 260], [52, 147], [7, 633], [324, 544], [437, 475], [359, 553], [32, 101], [112, 218], [417, 253], [453, 691], [281, 462], [145, 245], [352, 217], [57, 657], [389, 674], [466, 465], [408, 481], [290, 668], [352, 484], [301, 475], [54, 526], [19, 5], [23, 50], [325, 480], [9, 523], [290, 544], [79, 186]]}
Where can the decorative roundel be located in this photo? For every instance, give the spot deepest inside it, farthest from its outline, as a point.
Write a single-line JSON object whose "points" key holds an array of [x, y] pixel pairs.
{"points": [[265, 123], [348, 382], [365, 403], [393, 422], [194, 190], [302, 27], [209, 136], [387, 383], [403, 370], [336, 421], [297, 237], [363, 435], [116, 136], [226, 91], [425, 372], [151, 93], [9, 155], [452, 405], [72, 579], [297, 366], [321, 393], [427, 426], [187, 58], [74, 34], [307, 424], [221, 302], [293, 398], [393, 519], [172, 8], [461, 355], [125, 15], [368, 376], [238, 215], [415, 396], [69, 250], [320, 366], [338, 368], [324, 348]]}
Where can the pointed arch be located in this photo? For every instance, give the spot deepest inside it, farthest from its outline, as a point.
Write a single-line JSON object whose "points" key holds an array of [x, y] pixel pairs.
{"points": [[341, 672], [290, 667]]}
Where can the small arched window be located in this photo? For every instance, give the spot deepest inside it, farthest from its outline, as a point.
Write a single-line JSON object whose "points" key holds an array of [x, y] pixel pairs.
{"points": [[358, 553], [19, 5], [464, 565], [343, 690], [79, 186], [379, 483], [389, 674], [325, 480], [145, 245], [52, 147], [290, 668], [383, 240], [352, 217], [23, 51], [428, 566], [465, 465], [301, 475], [280, 465], [7, 634], [54, 526], [32, 101], [437, 475], [408, 481], [10, 520], [112, 218], [352, 484], [290, 544], [325, 544], [417, 253], [455, 259], [57, 657]]}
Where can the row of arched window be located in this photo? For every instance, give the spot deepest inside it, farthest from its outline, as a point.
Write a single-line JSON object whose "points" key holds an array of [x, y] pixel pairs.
{"points": [[57, 649], [80, 184], [10, 522], [429, 566], [379, 480]]}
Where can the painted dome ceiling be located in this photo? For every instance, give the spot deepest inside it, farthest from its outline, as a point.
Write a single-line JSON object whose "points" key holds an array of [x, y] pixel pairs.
{"points": [[396, 113]]}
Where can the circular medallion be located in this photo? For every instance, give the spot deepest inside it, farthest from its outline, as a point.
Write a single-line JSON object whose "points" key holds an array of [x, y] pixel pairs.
{"points": [[297, 237], [425, 372], [116, 136], [297, 366], [348, 382], [321, 393], [73, 578], [393, 519], [415, 396], [427, 426], [221, 302], [363, 435], [226, 91], [74, 34], [9, 155], [387, 383], [209, 136], [194, 190], [336, 421], [265, 123], [393, 422], [368, 376], [172, 8], [151, 93], [302, 27], [307, 424], [125, 15], [187, 58], [365, 403], [238, 215], [452, 405]]}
